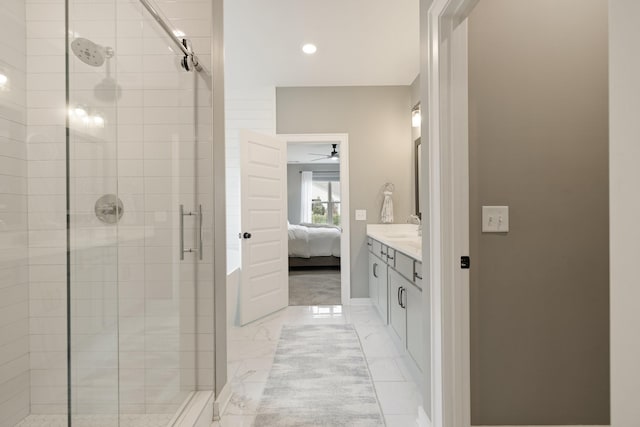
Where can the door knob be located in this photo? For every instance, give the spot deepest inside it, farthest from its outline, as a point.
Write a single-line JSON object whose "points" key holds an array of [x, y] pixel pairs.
{"points": [[246, 235]]}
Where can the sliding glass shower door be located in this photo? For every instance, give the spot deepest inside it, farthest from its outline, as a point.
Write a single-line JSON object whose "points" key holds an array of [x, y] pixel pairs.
{"points": [[139, 201]]}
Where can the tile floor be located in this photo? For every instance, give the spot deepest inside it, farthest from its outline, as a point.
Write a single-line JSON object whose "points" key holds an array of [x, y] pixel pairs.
{"points": [[251, 350]]}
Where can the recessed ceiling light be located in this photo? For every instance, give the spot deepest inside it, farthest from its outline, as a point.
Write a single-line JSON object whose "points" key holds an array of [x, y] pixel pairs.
{"points": [[309, 48], [3, 79]]}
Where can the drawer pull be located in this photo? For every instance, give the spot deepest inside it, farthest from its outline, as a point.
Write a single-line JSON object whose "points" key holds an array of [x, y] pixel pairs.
{"points": [[389, 256], [417, 276]]}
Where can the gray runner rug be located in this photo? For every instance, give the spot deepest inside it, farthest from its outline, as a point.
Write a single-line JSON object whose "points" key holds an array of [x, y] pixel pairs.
{"points": [[319, 377]]}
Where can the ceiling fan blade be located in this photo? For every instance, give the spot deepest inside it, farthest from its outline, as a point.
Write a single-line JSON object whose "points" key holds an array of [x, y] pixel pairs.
{"points": [[321, 158], [317, 154]]}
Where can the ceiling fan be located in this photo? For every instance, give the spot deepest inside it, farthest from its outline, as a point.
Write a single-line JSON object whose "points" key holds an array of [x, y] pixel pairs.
{"points": [[334, 155]]}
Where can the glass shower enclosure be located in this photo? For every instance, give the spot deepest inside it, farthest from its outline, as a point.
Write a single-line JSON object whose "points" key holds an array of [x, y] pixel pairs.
{"points": [[106, 211]]}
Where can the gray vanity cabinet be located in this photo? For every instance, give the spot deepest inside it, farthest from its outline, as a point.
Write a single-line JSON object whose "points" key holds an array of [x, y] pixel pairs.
{"points": [[395, 287]]}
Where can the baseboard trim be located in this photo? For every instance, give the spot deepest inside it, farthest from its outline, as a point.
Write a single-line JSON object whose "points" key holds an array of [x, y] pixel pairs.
{"points": [[360, 301], [220, 404], [581, 425]]}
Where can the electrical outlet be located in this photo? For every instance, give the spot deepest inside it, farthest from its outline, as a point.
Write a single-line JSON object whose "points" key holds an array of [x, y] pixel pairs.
{"points": [[361, 214]]}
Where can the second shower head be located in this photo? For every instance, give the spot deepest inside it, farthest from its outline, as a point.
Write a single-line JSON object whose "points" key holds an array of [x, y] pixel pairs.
{"points": [[89, 52]]}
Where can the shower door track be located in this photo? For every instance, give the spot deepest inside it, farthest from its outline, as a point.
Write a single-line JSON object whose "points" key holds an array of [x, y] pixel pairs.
{"points": [[184, 44]]}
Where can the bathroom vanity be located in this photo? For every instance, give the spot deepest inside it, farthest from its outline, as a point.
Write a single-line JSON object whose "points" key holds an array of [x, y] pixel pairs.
{"points": [[396, 285]]}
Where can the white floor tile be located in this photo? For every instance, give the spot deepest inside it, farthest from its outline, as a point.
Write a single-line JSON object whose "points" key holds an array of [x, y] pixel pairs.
{"points": [[245, 398], [235, 421], [398, 397], [385, 369], [401, 420]]}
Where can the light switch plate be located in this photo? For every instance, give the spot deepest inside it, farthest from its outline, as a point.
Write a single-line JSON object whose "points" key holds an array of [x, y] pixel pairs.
{"points": [[495, 219], [361, 214]]}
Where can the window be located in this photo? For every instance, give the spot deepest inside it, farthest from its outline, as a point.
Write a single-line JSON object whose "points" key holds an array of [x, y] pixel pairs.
{"points": [[325, 202]]}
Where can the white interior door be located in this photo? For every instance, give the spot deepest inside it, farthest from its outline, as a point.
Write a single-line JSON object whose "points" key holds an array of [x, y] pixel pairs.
{"points": [[264, 285]]}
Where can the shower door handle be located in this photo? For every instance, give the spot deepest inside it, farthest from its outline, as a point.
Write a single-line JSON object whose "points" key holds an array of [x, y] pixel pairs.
{"points": [[200, 246], [181, 232]]}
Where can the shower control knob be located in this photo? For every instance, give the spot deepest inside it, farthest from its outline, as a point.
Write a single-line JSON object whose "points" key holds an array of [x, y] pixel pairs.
{"points": [[246, 235]]}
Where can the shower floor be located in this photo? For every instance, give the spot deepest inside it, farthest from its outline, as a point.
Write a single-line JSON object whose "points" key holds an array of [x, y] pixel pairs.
{"points": [[126, 420]]}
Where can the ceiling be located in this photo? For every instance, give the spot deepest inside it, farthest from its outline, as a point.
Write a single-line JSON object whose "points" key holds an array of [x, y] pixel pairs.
{"points": [[360, 42], [301, 152]]}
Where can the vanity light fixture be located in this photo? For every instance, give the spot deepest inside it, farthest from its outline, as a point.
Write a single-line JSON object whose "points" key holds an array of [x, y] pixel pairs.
{"points": [[416, 116], [309, 48]]}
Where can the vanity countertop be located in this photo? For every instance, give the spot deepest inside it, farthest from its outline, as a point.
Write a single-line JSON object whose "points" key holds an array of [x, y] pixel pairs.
{"points": [[401, 237]]}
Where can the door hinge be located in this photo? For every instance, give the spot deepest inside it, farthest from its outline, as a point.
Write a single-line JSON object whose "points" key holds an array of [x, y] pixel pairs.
{"points": [[465, 262]]}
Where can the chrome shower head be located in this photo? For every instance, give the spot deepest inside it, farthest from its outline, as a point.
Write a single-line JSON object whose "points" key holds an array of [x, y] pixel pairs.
{"points": [[89, 52]]}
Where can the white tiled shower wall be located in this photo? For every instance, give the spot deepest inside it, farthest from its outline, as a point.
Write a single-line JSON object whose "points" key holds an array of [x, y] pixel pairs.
{"points": [[146, 297], [47, 210], [14, 270]]}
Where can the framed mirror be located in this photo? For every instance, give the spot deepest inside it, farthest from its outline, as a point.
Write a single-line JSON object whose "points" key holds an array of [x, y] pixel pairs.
{"points": [[418, 175]]}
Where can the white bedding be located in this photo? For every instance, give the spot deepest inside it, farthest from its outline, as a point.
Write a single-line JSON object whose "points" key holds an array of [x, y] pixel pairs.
{"points": [[309, 240]]}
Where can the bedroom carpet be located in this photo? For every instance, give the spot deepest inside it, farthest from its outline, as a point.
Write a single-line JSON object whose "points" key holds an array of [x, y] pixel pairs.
{"points": [[316, 287], [319, 377]]}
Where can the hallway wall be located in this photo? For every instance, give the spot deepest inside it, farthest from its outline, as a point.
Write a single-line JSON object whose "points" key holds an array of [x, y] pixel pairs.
{"points": [[538, 143]]}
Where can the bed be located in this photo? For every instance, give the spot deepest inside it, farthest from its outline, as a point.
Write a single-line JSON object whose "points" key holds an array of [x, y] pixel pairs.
{"points": [[314, 245]]}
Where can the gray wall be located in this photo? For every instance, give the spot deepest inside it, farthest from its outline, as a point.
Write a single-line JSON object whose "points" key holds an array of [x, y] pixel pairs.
{"points": [[539, 143], [293, 185], [378, 121]]}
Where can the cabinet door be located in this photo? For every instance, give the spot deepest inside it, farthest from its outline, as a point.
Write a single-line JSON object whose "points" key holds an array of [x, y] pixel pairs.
{"points": [[374, 268], [414, 324], [383, 305], [397, 313]]}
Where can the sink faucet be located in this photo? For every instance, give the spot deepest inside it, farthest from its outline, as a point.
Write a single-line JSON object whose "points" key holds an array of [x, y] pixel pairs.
{"points": [[415, 219]]}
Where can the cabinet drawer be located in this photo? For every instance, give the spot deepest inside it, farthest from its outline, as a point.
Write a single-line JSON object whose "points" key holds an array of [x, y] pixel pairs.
{"points": [[370, 244], [379, 250], [404, 265]]}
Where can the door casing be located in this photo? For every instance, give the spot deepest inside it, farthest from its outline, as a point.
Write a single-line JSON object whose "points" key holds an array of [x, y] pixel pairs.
{"points": [[342, 139]]}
